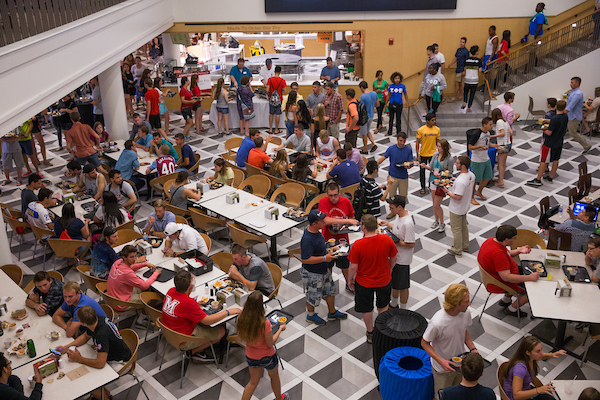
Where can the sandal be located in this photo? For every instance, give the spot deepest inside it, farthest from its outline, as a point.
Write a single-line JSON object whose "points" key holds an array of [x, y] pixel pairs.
{"points": [[19, 183], [6, 183]]}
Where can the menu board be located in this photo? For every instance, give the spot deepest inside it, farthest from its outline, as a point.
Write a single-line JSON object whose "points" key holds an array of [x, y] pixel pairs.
{"points": [[294, 6]]}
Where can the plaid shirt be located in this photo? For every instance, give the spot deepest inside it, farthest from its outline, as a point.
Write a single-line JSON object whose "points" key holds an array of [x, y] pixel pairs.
{"points": [[336, 104], [54, 297]]}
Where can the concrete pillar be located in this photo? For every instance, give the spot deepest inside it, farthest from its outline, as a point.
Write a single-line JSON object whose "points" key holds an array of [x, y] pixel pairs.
{"points": [[113, 102], [5, 254], [171, 51]]}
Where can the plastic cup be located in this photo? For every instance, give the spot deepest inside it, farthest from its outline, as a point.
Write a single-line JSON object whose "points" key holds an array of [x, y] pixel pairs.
{"points": [[549, 277]]}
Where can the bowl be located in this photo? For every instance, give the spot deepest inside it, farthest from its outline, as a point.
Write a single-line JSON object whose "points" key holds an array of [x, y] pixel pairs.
{"points": [[19, 331], [215, 305], [456, 359], [12, 326], [282, 319], [21, 353]]}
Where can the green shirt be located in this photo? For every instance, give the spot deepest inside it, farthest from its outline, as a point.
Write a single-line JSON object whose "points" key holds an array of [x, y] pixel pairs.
{"points": [[384, 83], [24, 130]]}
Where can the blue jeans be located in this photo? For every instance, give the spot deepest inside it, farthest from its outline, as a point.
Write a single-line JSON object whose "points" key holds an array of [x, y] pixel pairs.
{"points": [[138, 94], [92, 159], [290, 127]]}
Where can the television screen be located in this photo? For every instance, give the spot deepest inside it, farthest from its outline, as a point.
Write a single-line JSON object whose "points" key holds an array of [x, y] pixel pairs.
{"points": [[294, 6]]}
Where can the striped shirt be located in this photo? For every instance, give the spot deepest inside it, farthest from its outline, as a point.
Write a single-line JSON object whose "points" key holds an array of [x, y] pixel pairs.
{"points": [[372, 195]]}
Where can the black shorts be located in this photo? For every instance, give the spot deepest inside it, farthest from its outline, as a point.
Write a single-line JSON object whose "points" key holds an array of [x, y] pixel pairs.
{"points": [[186, 113], [341, 263], [155, 121], [401, 277], [363, 297]]}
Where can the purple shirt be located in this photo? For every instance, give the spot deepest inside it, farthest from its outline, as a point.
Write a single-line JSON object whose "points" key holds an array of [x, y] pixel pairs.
{"points": [[520, 370], [357, 158]]}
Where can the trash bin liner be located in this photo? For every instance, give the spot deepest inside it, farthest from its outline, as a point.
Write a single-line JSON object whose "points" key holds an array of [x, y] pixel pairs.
{"points": [[395, 328], [405, 373]]}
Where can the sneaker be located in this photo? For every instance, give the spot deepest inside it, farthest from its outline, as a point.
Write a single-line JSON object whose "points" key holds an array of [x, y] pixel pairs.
{"points": [[524, 39], [441, 228], [535, 182], [454, 253], [349, 290], [585, 151], [463, 106], [514, 314], [285, 396], [370, 337], [229, 133], [364, 152], [390, 216], [548, 178], [315, 319], [336, 315], [202, 356], [435, 225]]}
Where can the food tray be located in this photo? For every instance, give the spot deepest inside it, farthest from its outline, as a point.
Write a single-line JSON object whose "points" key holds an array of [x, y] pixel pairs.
{"points": [[529, 267], [387, 231], [581, 276], [345, 229], [89, 207], [208, 262], [274, 316], [165, 275], [19, 318], [341, 250], [443, 182], [66, 184], [209, 310], [15, 346], [215, 185], [297, 219], [155, 242], [486, 363], [82, 196]]}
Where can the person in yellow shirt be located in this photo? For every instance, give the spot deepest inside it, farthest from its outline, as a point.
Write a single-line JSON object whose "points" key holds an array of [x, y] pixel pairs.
{"points": [[427, 137]]}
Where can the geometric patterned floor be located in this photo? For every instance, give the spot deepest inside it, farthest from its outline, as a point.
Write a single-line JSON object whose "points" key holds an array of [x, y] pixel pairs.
{"points": [[334, 361]]}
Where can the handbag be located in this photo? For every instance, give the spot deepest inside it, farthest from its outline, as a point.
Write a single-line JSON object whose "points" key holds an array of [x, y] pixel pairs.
{"points": [[247, 113], [439, 192]]}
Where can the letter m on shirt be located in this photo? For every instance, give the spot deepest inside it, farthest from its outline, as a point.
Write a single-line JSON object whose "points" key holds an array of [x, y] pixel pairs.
{"points": [[169, 306]]}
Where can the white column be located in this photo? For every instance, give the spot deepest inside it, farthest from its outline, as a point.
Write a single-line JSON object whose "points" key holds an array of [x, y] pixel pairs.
{"points": [[5, 254], [113, 102], [171, 51]]}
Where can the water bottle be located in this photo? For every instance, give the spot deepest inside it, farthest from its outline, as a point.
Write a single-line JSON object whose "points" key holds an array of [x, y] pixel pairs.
{"points": [[560, 210], [245, 287], [145, 235], [31, 348]]}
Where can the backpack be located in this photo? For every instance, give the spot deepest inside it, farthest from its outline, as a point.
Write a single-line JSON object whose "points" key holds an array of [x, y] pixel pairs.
{"points": [[359, 202], [275, 100], [473, 134], [544, 221], [363, 117]]}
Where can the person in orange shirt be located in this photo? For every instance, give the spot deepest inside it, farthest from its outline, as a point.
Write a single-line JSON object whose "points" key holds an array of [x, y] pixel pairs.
{"points": [[257, 157], [352, 126]]}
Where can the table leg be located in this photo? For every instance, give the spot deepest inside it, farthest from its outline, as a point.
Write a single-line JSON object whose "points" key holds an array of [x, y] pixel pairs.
{"points": [[274, 253]]}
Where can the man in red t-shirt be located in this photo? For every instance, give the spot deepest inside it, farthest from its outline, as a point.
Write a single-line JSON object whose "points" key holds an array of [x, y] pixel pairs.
{"points": [[182, 314], [152, 108], [371, 261], [257, 157], [275, 83], [339, 212], [495, 258]]}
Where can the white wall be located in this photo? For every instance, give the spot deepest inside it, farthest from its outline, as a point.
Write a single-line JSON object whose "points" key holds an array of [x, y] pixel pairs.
{"points": [[254, 11], [556, 83], [38, 71]]}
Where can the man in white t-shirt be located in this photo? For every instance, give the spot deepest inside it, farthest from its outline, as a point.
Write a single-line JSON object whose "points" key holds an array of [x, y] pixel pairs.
{"points": [[441, 58], [478, 144], [460, 201], [37, 213], [267, 71], [404, 229], [185, 237], [446, 336]]}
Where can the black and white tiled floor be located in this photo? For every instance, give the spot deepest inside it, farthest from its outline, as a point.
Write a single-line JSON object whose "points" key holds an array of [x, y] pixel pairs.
{"points": [[334, 361]]}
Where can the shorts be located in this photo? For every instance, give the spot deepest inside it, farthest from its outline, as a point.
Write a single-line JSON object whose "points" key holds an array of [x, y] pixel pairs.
{"points": [[162, 108], [369, 122], [200, 330], [458, 77], [224, 110], [334, 130], [363, 297], [196, 106], [550, 154], [482, 170], [364, 130], [186, 113], [318, 286], [135, 295], [341, 263], [401, 277], [26, 147], [92, 159], [8, 158], [274, 110], [155, 121], [268, 362]]}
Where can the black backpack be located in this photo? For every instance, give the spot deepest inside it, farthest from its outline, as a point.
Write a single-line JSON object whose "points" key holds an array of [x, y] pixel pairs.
{"points": [[363, 117], [359, 203]]}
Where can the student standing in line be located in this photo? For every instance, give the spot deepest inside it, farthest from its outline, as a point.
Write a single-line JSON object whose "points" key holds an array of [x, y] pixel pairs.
{"points": [[397, 91], [379, 86]]}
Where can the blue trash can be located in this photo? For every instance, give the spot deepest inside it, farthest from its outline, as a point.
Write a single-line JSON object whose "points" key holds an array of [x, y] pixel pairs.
{"points": [[405, 373]]}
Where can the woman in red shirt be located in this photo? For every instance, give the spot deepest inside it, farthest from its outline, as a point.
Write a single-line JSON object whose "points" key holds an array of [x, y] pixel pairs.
{"points": [[197, 107], [186, 105], [255, 330]]}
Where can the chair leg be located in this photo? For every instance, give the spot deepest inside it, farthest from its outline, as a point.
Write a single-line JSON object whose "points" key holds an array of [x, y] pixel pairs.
{"points": [[20, 245], [35, 248], [478, 287], [140, 383], [215, 355], [280, 305], [157, 345], [483, 309], [162, 359], [227, 354], [518, 310], [287, 272], [11, 237], [586, 350], [147, 329], [182, 371]]}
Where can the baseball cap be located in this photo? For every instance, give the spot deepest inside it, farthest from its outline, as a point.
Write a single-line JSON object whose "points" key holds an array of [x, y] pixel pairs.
{"points": [[172, 228], [397, 200], [88, 168], [316, 215], [542, 4]]}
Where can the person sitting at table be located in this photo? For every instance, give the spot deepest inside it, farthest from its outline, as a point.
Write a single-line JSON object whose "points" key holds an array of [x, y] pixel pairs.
{"points": [[180, 194], [497, 260], [34, 182], [138, 124], [111, 348], [248, 144], [66, 316], [157, 221], [164, 164], [185, 237], [251, 270], [158, 141], [144, 138], [345, 170], [92, 183], [327, 146], [37, 213], [11, 387], [518, 379], [471, 368], [301, 170], [122, 190], [592, 257], [111, 213], [223, 173], [280, 166], [47, 294], [188, 159], [353, 154], [68, 226], [257, 156], [128, 162], [74, 170], [589, 394], [183, 314], [579, 226], [299, 141]]}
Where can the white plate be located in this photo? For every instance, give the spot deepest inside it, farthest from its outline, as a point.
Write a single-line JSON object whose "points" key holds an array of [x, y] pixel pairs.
{"points": [[258, 224]]}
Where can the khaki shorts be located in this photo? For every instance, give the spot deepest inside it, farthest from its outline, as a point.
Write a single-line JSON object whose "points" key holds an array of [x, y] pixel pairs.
{"points": [[458, 77], [200, 330], [135, 295], [334, 130], [400, 185], [442, 380]]}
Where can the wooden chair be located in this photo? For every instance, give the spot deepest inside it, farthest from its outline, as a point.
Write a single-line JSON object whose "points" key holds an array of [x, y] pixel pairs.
{"points": [[158, 183], [224, 260], [573, 195], [594, 333], [14, 272], [527, 237], [275, 182], [251, 170], [260, 185], [175, 339], [66, 248], [204, 222], [544, 205], [293, 253], [196, 165], [232, 143], [487, 279], [167, 188], [584, 184], [137, 194], [245, 239], [181, 220], [127, 225], [558, 240], [39, 234], [53, 274], [294, 193], [308, 187], [114, 302], [177, 150], [233, 339], [229, 158], [89, 280], [132, 340], [207, 240], [127, 235], [314, 202], [365, 161], [147, 299], [350, 190], [582, 168], [534, 113], [16, 226], [177, 210], [500, 374], [238, 177], [277, 275], [14, 213], [108, 310]]}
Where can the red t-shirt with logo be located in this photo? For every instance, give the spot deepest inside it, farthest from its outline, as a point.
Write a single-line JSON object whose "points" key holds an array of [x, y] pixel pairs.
{"points": [[165, 165], [276, 83], [342, 209], [372, 254], [154, 98], [494, 257], [181, 313]]}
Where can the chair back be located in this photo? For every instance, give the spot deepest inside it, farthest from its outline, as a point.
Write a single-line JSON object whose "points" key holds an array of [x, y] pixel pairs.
{"points": [[181, 220], [260, 185], [314, 202], [205, 222], [308, 187], [238, 177], [229, 159], [196, 165], [11, 210], [53, 274], [127, 225], [132, 340], [89, 280], [274, 180], [108, 310], [251, 170], [277, 275], [500, 374], [206, 240], [177, 150], [167, 188], [365, 161], [232, 143], [558, 240], [243, 238], [350, 190], [66, 248], [584, 184], [527, 237], [487, 280], [15, 223], [582, 168], [14, 272], [41, 232], [158, 183], [294, 193], [127, 235], [113, 301], [177, 210], [147, 298], [224, 260], [175, 338], [573, 195], [544, 205]]}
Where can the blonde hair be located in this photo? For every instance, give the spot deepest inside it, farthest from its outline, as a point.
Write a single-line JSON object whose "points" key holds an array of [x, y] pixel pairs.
{"points": [[165, 149], [72, 285], [320, 117], [323, 134], [454, 295], [160, 203]]}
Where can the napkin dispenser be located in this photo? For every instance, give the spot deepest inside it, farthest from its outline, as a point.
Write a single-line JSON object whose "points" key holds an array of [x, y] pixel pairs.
{"points": [[272, 213], [203, 187], [563, 288], [180, 265], [241, 296], [552, 261], [69, 197], [225, 297], [232, 198], [144, 248]]}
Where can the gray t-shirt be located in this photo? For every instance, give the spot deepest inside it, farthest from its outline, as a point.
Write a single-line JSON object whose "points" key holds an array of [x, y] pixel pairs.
{"points": [[313, 101], [91, 185], [177, 198], [299, 143], [96, 96], [257, 270], [121, 193]]}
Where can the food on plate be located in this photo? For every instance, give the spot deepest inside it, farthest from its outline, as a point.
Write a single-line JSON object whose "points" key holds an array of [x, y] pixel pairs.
{"points": [[50, 380], [218, 284], [21, 353], [12, 326], [204, 299], [456, 359], [254, 204], [445, 173], [19, 314], [19, 331], [155, 243], [61, 375], [4, 325], [282, 319]]}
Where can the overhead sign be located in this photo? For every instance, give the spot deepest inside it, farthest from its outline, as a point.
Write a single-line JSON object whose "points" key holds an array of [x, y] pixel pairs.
{"points": [[181, 38], [312, 6], [204, 82], [324, 37]]}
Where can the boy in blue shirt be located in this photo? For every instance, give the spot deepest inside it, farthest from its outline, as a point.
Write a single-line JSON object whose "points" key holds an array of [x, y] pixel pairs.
{"points": [[370, 100], [74, 300], [145, 138], [536, 23], [398, 171], [345, 170]]}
